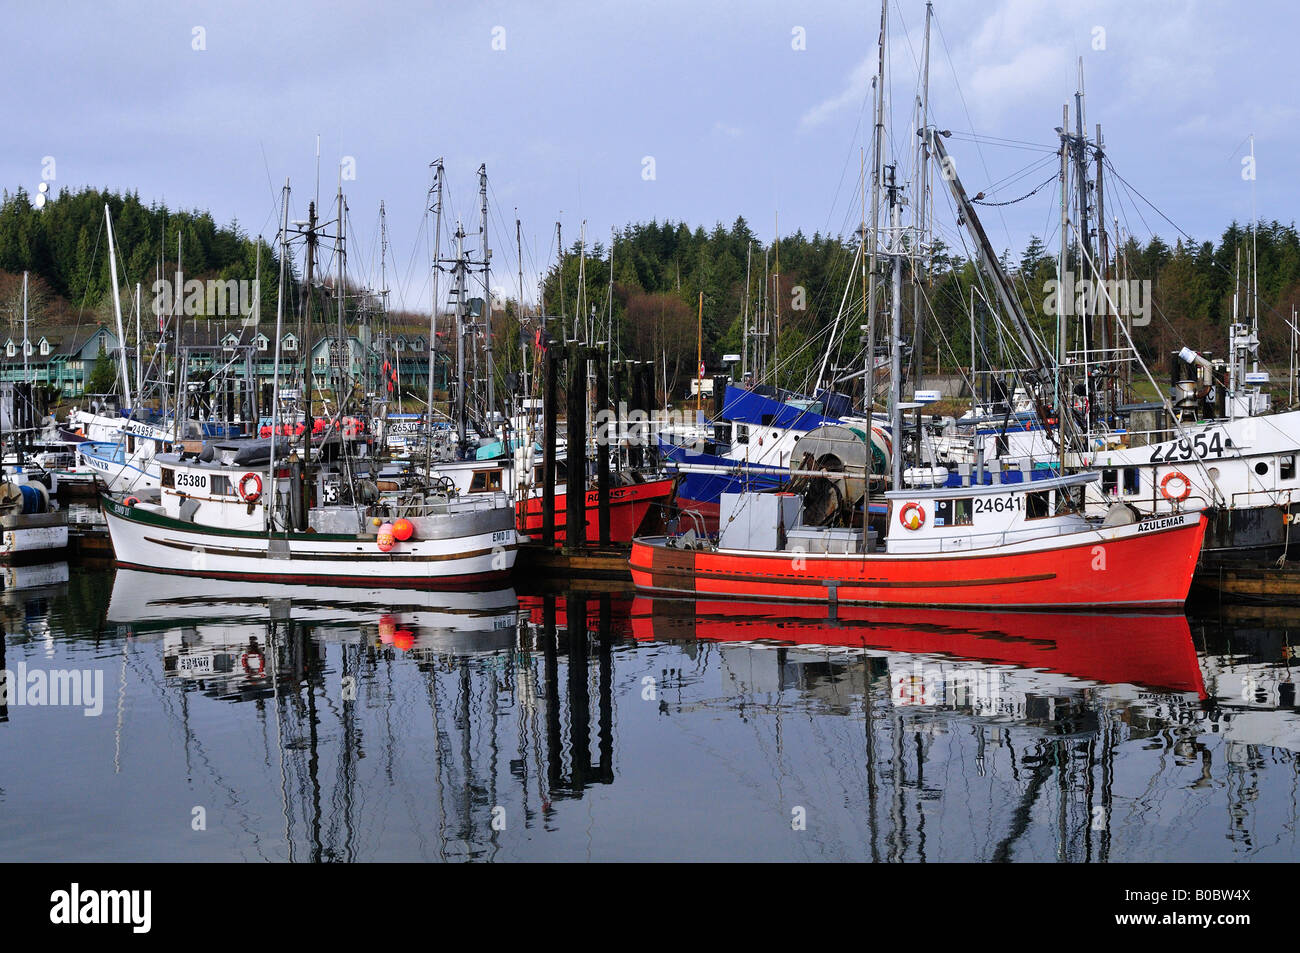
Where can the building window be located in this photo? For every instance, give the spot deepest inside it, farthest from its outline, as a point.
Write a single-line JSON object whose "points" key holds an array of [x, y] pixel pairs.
{"points": [[10, 349], [45, 347], [290, 344], [27, 348]]}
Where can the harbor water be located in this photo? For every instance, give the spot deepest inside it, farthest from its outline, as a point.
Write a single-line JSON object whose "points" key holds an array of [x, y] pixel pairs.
{"points": [[151, 717]]}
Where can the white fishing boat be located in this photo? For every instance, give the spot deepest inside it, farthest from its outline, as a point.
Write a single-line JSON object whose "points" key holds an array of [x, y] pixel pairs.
{"points": [[231, 518]]}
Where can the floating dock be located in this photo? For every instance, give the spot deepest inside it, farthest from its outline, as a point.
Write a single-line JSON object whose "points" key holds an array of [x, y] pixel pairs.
{"points": [[1277, 584]]}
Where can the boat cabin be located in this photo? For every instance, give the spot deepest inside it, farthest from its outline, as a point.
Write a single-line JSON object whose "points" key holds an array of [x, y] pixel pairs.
{"points": [[948, 519]]}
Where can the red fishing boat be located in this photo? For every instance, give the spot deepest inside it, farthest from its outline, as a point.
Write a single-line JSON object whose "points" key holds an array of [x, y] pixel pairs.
{"points": [[633, 509], [1021, 545]]}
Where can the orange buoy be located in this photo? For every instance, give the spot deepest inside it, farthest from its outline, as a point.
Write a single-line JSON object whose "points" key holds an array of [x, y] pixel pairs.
{"points": [[403, 529]]}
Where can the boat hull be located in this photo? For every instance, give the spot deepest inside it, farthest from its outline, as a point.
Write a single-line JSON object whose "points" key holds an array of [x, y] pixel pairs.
{"points": [[1143, 564], [629, 507], [477, 551]]}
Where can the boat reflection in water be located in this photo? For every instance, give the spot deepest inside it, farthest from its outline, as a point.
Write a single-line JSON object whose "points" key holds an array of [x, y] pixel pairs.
{"points": [[1075, 722], [319, 725]]}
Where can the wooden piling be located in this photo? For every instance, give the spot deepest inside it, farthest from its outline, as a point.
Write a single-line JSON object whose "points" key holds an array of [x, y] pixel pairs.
{"points": [[549, 401], [604, 433], [575, 518]]}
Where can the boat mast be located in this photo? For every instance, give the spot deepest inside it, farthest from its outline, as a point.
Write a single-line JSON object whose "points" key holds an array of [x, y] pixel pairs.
{"points": [[487, 295], [310, 374], [460, 340], [1062, 266], [919, 251], [877, 145], [523, 343], [26, 374], [436, 191], [896, 335], [744, 338], [922, 188], [275, 369], [117, 311]]}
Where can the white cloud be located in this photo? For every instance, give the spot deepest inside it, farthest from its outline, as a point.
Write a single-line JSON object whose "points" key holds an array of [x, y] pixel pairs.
{"points": [[853, 94]]}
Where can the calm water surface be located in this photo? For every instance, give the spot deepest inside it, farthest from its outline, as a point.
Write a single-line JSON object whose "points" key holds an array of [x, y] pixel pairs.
{"points": [[294, 724]]}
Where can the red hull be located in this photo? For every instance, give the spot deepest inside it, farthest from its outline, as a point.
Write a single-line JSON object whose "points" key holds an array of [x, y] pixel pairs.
{"points": [[628, 508], [1135, 568], [1150, 650]]}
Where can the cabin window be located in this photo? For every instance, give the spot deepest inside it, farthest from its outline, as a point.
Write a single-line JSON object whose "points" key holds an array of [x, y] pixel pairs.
{"points": [[220, 485], [539, 473], [168, 477], [742, 434], [1038, 505], [1132, 480], [1261, 468], [954, 512], [1069, 500], [1286, 467], [485, 481], [1109, 482]]}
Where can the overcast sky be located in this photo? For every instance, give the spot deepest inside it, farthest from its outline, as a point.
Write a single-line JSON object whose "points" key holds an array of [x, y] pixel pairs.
{"points": [[757, 109]]}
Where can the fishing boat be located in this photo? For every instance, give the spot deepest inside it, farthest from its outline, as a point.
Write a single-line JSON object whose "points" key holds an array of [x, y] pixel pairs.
{"points": [[229, 517], [1022, 544], [256, 509]]}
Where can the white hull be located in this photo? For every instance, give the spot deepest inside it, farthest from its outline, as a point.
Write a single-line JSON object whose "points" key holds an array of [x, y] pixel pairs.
{"points": [[448, 550]]}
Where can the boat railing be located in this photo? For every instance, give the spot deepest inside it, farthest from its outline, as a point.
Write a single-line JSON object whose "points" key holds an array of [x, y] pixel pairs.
{"points": [[446, 505]]}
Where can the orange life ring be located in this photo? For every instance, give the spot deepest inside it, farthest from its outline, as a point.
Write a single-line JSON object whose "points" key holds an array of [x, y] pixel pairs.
{"points": [[248, 669], [247, 495], [130, 501], [913, 523], [1187, 486]]}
